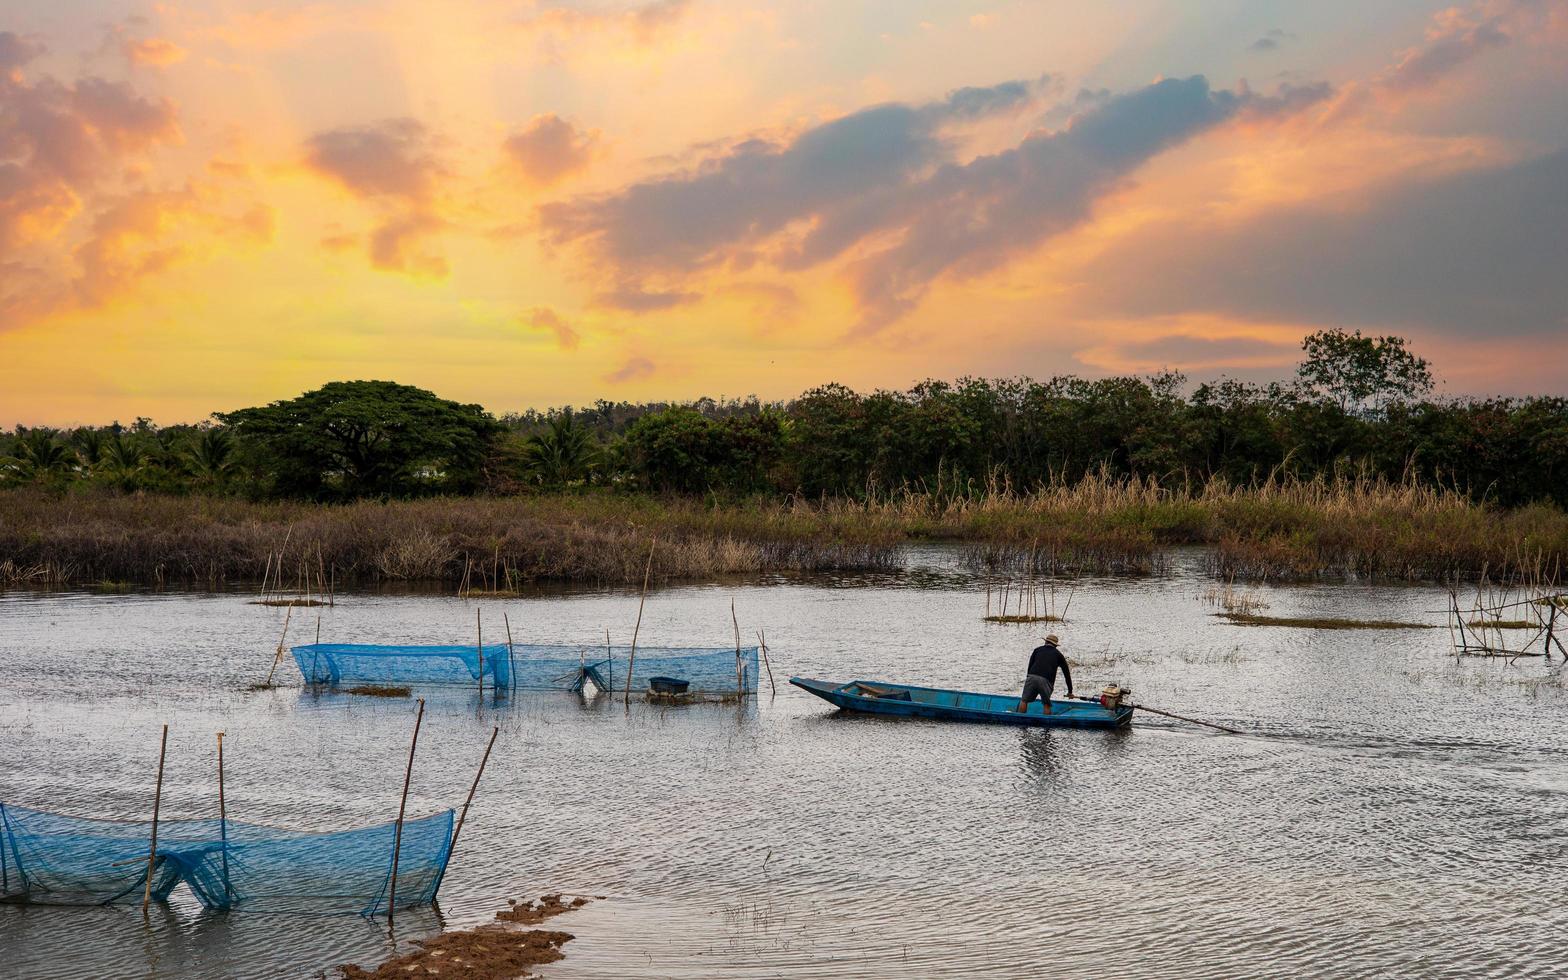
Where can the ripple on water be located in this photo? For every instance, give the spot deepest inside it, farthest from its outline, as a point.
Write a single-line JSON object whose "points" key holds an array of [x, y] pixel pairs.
{"points": [[1393, 812]]}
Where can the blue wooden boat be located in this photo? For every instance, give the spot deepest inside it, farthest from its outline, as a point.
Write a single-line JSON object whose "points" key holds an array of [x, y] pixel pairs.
{"points": [[906, 701]]}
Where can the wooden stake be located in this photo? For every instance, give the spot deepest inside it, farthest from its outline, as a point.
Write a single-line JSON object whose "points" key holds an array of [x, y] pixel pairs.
{"points": [[397, 836], [223, 823], [511, 662], [631, 660], [157, 801], [762, 645], [740, 681], [279, 655], [494, 731], [609, 656], [479, 631]]}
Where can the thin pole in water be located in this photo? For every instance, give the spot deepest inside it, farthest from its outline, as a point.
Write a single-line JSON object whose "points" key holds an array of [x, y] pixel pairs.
{"points": [[494, 731], [223, 823], [610, 657], [631, 660], [1167, 714], [762, 645], [397, 835], [511, 663], [157, 801], [740, 683], [479, 630], [281, 640]]}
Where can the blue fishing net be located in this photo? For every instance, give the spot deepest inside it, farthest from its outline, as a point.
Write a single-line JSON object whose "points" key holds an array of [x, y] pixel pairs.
{"points": [[530, 666], [51, 859]]}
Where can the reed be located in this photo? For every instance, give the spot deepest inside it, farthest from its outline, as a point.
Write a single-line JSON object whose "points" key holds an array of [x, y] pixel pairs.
{"points": [[1320, 529]]}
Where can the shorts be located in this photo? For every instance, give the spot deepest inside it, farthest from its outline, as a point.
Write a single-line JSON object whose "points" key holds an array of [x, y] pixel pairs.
{"points": [[1036, 686]]}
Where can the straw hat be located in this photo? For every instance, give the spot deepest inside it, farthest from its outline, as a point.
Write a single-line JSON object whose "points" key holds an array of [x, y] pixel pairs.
{"points": [[1052, 638]]}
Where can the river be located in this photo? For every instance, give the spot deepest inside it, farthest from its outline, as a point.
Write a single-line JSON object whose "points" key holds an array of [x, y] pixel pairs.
{"points": [[1390, 810]]}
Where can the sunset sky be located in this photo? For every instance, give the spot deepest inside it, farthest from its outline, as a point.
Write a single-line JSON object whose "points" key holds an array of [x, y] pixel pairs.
{"points": [[206, 204]]}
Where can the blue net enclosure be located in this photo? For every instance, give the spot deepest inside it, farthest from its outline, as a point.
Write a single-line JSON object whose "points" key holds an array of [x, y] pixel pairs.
{"points": [[530, 666], [364, 663], [51, 859]]}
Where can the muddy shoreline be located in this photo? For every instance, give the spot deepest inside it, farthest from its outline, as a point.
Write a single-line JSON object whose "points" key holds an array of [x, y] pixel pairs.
{"points": [[493, 951]]}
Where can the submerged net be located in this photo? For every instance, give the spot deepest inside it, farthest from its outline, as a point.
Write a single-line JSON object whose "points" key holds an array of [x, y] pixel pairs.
{"points": [[529, 666], [51, 859]]}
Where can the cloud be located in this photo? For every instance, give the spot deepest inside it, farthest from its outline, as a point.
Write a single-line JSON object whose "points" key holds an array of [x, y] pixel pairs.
{"points": [[153, 52], [644, 22], [1479, 252], [1453, 41], [544, 318], [757, 188], [388, 159], [631, 298], [549, 148], [395, 246], [634, 369], [1189, 353], [16, 51], [882, 189], [393, 165], [59, 142], [1272, 40]]}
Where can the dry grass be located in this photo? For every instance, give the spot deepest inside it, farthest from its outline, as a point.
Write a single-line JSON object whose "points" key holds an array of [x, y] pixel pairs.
{"points": [[490, 544], [1321, 622], [1320, 529], [381, 691]]}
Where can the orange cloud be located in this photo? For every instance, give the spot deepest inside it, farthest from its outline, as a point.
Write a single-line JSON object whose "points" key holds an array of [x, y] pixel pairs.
{"points": [[549, 148], [544, 318], [635, 368], [393, 165], [153, 52]]}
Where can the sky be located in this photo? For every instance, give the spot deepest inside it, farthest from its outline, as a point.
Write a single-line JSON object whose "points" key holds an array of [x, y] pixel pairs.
{"points": [[209, 204]]}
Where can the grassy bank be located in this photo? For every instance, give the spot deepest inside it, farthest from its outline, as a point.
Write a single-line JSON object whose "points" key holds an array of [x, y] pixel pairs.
{"points": [[1317, 530]]}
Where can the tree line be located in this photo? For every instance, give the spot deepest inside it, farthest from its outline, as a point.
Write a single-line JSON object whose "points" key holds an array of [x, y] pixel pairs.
{"points": [[1358, 405]]}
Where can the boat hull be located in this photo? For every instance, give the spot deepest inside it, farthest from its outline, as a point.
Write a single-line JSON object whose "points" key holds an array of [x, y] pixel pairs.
{"points": [[907, 701]]}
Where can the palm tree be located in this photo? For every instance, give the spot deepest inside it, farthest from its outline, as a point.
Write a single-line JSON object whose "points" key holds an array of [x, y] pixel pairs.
{"points": [[38, 456], [210, 456], [563, 454], [123, 460], [88, 444]]}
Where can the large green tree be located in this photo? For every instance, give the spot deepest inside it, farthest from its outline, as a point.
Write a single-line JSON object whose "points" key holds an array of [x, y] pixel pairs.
{"points": [[1362, 373], [353, 439]]}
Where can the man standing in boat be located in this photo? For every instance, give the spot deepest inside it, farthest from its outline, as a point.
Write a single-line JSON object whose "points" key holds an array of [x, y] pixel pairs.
{"points": [[1044, 662]]}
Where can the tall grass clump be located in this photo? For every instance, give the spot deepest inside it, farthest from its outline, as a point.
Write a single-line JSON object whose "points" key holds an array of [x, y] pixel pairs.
{"points": [[213, 542]]}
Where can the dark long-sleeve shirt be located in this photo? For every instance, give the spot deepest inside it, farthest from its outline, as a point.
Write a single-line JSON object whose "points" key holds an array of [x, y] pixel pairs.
{"points": [[1045, 661]]}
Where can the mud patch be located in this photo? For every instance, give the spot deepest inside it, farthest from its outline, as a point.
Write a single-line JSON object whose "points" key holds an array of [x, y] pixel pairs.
{"points": [[496, 951]]}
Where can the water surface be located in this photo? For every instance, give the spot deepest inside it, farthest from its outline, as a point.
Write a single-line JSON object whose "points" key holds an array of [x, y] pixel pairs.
{"points": [[1391, 811]]}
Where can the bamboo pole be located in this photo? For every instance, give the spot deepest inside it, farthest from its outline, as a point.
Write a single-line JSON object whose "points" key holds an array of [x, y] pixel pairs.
{"points": [[157, 801], [740, 677], [631, 660], [223, 823], [511, 662], [479, 632], [397, 836], [609, 656], [494, 731], [762, 645], [1167, 714], [281, 640]]}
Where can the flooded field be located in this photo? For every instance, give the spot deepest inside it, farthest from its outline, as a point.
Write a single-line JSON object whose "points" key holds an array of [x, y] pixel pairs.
{"points": [[1390, 812]]}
